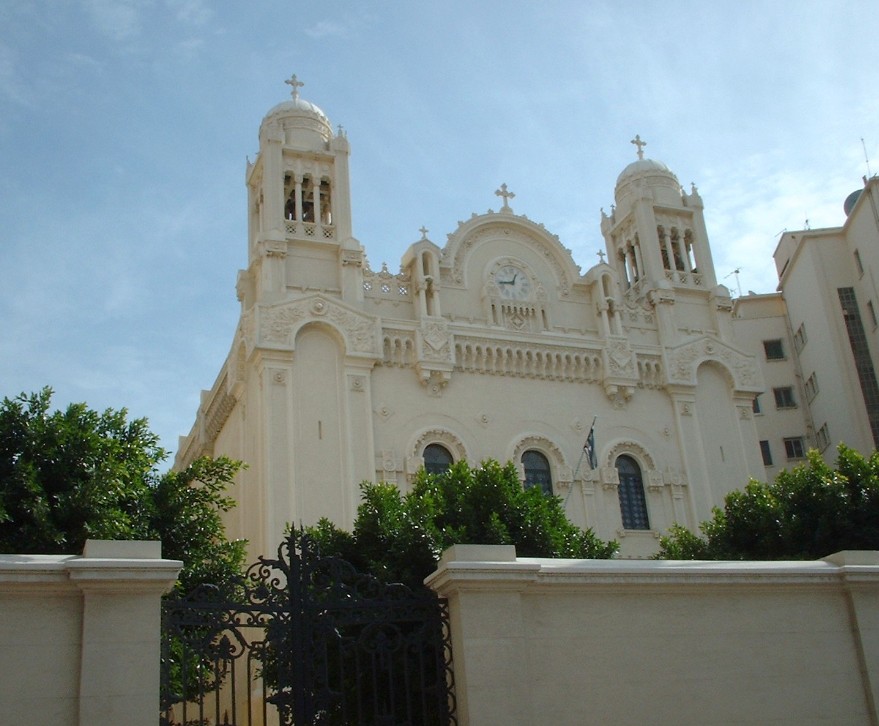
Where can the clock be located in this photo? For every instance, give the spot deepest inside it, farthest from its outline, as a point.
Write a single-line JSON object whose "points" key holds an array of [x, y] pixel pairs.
{"points": [[512, 282]]}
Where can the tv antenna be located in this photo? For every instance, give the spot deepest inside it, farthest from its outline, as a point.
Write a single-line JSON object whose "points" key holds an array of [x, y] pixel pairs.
{"points": [[866, 158], [736, 273]]}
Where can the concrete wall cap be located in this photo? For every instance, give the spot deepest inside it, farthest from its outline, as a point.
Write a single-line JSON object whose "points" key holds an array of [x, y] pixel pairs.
{"points": [[478, 553], [847, 558], [123, 549]]}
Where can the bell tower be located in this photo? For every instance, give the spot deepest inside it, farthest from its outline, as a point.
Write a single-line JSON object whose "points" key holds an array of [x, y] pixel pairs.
{"points": [[299, 208], [658, 244]]}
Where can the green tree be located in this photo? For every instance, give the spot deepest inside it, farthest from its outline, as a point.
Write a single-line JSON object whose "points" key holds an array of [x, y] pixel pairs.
{"points": [[399, 537], [67, 476], [808, 512]]}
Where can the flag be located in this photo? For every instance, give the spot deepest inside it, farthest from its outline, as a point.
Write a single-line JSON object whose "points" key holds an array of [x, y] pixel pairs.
{"points": [[589, 447]]}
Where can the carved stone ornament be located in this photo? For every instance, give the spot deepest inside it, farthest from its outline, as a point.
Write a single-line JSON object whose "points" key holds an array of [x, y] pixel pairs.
{"points": [[633, 449], [384, 412], [351, 257], [273, 248], [357, 383], [278, 324], [522, 230], [562, 472], [684, 361], [388, 460], [415, 459], [654, 480], [437, 340], [620, 358]]}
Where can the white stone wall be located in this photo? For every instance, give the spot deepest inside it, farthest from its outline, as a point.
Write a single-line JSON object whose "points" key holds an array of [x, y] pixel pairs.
{"points": [[612, 642], [80, 636]]}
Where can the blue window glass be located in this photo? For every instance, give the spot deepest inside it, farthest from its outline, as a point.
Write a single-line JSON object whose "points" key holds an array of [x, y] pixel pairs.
{"points": [[537, 471], [633, 505], [437, 459]]}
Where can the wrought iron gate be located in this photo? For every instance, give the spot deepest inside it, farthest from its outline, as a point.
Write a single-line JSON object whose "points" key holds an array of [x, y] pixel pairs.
{"points": [[304, 639]]}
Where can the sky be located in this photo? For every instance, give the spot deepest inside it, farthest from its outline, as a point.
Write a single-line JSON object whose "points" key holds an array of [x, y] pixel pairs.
{"points": [[125, 126]]}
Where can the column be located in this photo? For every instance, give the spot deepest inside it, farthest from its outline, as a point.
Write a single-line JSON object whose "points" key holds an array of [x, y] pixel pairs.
{"points": [[122, 584], [297, 195]]}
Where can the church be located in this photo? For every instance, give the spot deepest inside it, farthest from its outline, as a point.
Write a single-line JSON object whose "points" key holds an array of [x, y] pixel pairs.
{"points": [[495, 345]]}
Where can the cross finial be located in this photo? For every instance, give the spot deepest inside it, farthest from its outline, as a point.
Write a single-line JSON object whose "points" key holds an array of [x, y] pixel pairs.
{"points": [[423, 231], [507, 195], [601, 256], [637, 141], [296, 84]]}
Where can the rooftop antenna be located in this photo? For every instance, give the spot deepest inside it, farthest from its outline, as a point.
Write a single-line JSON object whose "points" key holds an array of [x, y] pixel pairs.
{"points": [[866, 158], [736, 273]]}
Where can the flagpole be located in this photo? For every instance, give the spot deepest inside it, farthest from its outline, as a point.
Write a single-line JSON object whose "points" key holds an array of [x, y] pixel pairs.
{"points": [[580, 461]]}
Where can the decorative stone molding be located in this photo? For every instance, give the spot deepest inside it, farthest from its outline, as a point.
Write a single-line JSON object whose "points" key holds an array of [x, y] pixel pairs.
{"points": [[388, 460], [562, 474], [278, 324], [524, 360], [384, 412], [609, 477], [444, 437], [661, 296], [435, 341], [357, 383], [512, 227], [621, 373], [434, 348], [654, 480], [436, 383], [620, 358], [683, 362], [633, 449], [352, 258], [273, 248], [385, 285]]}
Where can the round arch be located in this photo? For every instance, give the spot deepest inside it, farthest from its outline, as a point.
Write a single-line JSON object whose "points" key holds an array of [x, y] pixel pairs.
{"points": [[559, 469]]}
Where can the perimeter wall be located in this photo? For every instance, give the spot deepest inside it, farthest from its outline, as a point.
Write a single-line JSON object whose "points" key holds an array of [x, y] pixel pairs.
{"points": [[79, 636], [539, 641]]}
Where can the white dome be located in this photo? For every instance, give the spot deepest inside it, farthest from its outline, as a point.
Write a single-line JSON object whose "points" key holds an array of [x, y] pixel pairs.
{"points": [[645, 167], [297, 107], [302, 122]]}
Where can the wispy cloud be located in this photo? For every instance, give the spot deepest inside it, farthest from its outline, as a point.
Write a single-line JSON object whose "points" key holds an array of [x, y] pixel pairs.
{"points": [[11, 86], [194, 12], [326, 28], [117, 19]]}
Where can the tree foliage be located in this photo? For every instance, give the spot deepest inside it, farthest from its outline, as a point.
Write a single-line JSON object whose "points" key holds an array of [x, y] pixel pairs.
{"points": [[808, 512], [399, 537], [67, 476]]}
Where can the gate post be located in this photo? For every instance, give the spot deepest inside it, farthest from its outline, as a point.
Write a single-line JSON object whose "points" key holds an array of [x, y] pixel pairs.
{"points": [[122, 584]]}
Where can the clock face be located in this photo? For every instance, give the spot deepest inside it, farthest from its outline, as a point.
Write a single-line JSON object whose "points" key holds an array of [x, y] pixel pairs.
{"points": [[512, 282]]}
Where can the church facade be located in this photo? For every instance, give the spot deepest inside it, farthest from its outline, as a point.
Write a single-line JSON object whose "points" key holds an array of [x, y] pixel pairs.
{"points": [[495, 345]]}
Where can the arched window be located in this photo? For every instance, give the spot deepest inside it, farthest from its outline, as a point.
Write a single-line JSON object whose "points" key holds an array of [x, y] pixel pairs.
{"points": [[633, 505], [537, 471], [437, 458]]}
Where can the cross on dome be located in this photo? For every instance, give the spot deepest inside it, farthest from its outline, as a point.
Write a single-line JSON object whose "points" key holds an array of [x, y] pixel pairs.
{"points": [[502, 192], [637, 141], [296, 85]]}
